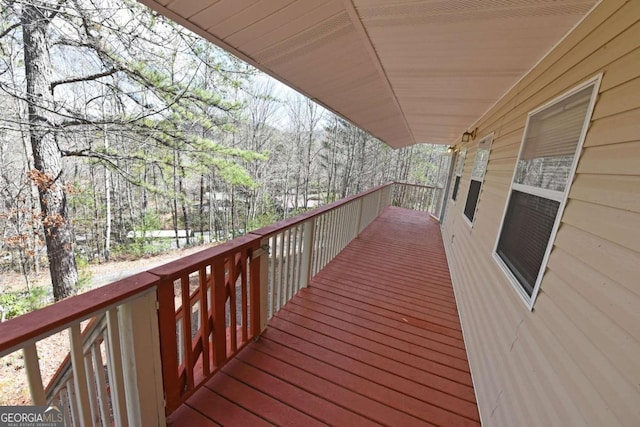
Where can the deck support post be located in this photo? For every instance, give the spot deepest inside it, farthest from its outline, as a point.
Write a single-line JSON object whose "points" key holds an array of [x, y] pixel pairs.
{"points": [[308, 236], [142, 367]]}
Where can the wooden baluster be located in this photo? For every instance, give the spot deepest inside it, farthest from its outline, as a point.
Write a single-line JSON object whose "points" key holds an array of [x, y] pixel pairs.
{"points": [[326, 239], [103, 397], [286, 243], [186, 331], [233, 315], [79, 375], [280, 269], [244, 256], [293, 262], [73, 404], [272, 271], [337, 228], [204, 320], [357, 213], [260, 289], [342, 223], [92, 387], [319, 242], [66, 408], [329, 238], [34, 377], [307, 248], [298, 273], [317, 253], [219, 318]]}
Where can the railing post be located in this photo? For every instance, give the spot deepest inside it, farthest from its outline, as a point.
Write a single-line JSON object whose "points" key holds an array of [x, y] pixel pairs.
{"points": [[142, 367], [168, 344], [308, 236]]}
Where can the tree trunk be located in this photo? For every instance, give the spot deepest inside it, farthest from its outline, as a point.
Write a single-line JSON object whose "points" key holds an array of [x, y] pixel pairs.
{"points": [[201, 212], [46, 153], [174, 207], [96, 213], [183, 197], [107, 197]]}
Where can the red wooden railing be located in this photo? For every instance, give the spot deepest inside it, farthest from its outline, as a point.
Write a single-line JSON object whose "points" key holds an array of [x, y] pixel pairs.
{"points": [[226, 305], [196, 313]]}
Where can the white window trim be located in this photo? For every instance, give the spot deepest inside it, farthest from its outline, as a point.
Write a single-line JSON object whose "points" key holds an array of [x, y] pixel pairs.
{"points": [[551, 194], [540, 192], [484, 172]]}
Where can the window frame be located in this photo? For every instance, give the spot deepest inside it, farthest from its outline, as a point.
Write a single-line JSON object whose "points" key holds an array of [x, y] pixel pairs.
{"points": [[484, 140], [558, 196]]}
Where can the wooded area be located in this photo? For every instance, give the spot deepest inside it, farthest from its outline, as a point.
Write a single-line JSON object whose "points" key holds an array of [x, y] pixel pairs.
{"points": [[116, 121]]}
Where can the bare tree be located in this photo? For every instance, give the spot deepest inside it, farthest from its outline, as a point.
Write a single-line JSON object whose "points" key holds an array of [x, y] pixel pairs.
{"points": [[47, 157]]}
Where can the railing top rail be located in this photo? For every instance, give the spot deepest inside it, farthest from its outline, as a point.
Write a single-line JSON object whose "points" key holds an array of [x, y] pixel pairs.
{"points": [[414, 185], [290, 222], [53, 318], [175, 269]]}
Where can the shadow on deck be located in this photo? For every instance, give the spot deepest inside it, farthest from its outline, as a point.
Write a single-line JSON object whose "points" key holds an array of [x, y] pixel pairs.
{"points": [[374, 339]]}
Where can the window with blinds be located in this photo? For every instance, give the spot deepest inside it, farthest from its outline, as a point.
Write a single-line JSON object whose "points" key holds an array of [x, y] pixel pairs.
{"points": [[551, 144], [459, 169], [477, 177]]}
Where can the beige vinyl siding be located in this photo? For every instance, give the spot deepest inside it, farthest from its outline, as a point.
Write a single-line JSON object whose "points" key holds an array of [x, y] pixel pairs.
{"points": [[574, 359]]}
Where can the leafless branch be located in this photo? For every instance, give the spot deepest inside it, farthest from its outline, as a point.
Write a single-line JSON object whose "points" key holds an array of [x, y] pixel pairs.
{"points": [[84, 78]]}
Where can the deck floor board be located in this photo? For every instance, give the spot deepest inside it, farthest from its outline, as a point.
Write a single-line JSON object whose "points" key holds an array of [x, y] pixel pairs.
{"points": [[374, 340]]}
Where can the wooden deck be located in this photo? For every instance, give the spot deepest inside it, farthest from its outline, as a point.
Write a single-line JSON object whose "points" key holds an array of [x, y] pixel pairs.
{"points": [[375, 339]]}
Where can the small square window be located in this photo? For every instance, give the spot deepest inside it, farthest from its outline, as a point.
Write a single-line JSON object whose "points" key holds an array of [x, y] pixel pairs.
{"points": [[456, 185], [477, 177], [459, 169]]}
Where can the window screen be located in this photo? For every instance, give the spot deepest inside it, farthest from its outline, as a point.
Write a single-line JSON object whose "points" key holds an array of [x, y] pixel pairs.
{"points": [[543, 174]]}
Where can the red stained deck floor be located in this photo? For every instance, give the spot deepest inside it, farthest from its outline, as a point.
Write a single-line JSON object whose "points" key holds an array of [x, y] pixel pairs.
{"points": [[375, 339]]}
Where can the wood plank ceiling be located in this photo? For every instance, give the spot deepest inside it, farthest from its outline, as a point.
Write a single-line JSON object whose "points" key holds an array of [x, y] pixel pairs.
{"points": [[406, 71]]}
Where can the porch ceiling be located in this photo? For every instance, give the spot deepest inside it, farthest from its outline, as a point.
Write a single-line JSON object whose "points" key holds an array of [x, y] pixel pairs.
{"points": [[406, 71]]}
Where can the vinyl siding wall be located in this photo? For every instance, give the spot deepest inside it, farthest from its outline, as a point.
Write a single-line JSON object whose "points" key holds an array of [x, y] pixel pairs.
{"points": [[575, 359]]}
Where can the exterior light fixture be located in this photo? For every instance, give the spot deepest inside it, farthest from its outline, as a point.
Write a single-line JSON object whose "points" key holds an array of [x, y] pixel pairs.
{"points": [[468, 136]]}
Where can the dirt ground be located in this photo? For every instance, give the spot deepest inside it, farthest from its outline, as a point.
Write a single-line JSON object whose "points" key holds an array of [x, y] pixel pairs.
{"points": [[52, 350]]}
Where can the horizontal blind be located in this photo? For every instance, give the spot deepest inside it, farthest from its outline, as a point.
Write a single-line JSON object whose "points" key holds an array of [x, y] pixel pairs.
{"points": [[556, 131], [525, 236], [551, 141], [480, 164]]}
